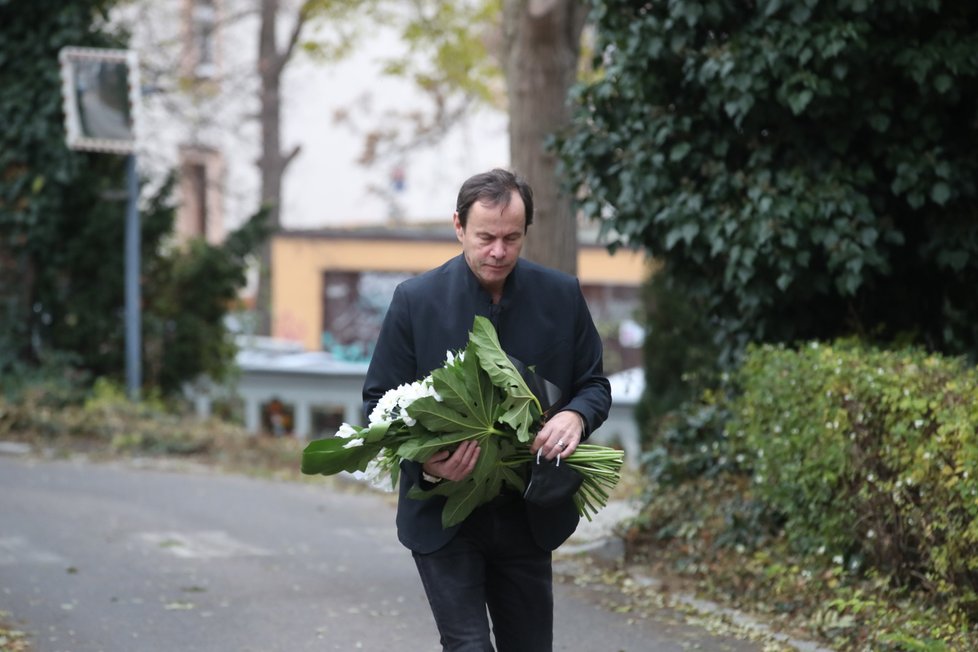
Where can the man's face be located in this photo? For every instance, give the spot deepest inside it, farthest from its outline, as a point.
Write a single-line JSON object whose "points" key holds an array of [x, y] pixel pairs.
{"points": [[492, 240]]}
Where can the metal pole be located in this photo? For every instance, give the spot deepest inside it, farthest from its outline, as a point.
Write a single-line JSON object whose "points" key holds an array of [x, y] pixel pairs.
{"points": [[133, 299]]}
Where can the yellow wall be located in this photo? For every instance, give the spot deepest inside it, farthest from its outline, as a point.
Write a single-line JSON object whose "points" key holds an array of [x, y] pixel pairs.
{"points": [[299, 262]]}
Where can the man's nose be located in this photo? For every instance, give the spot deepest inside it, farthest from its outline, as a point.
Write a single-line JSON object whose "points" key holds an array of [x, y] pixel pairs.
{"points": [[498, 249]]}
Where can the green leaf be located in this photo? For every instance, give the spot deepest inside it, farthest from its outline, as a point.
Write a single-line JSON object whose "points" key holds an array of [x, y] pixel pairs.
{"points": [[483, 393], [519, 414], [485, 344], [438, 417], [486, 480], [450, 384], [943, 83], [512, 478], [798, 101], [464, 497], [940, 193], [420, 447], [679, 152], [330, 456]]}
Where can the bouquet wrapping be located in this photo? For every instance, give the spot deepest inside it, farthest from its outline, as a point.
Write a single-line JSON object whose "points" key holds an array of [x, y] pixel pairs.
{"points": [[478, 393]]}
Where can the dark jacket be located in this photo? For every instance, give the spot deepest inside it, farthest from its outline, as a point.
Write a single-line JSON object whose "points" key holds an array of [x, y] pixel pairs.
{"points": [[542, 320]]}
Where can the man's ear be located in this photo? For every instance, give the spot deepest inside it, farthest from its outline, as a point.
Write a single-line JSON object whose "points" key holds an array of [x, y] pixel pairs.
{"points": [[459, 229]]}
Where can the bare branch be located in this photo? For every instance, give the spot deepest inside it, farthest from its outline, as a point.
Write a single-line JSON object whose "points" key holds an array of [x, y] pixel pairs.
{"points": [[300, 21], [290, 156]]}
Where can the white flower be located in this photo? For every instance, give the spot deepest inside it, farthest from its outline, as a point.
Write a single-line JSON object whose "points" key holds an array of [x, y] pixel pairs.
{"points": [[346, 431], [451, 357], [384, 410], [394, 403], [377, 475], [353, 443]]}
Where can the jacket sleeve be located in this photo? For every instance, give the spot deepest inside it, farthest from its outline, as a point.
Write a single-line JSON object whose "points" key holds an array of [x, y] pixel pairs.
{"points": [[393, 362], [591, 396]]}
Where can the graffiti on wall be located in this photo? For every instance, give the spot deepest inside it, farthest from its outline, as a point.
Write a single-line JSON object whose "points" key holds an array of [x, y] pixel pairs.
{"points": [[354, 304]]}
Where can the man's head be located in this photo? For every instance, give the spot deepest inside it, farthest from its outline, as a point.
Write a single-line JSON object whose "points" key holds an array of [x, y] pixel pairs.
{"points": [[494, 187], [494, 210]]}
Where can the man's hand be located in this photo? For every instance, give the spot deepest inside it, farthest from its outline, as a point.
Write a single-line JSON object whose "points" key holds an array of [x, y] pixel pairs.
{"points": [[560, 435], [454, 465]]}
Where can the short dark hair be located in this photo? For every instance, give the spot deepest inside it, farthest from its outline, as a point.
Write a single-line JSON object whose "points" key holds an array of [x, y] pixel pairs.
{"points": [[495, 188]]}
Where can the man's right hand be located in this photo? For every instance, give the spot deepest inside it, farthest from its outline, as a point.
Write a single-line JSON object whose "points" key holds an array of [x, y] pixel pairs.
{"points": [[454, 465]]}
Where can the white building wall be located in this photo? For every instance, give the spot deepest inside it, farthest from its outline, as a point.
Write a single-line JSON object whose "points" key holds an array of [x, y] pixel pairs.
{"points": [[325, 185]]}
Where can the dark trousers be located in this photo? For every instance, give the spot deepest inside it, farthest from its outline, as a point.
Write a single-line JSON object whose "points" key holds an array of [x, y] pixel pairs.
{"points": [[492, 564]]}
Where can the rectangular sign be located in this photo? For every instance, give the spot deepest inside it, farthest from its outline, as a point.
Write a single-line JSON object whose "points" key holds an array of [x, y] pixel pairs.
{"points": [[100, 89]]}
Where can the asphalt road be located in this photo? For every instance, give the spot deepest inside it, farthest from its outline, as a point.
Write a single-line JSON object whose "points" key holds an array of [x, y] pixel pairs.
{"points": [[112, 558]]}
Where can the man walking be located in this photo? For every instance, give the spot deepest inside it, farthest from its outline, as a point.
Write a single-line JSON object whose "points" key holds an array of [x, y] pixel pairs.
{"points": [[499, 559]]}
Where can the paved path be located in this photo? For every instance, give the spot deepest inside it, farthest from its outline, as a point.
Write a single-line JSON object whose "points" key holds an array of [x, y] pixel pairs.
{"points": [[111, 558]]}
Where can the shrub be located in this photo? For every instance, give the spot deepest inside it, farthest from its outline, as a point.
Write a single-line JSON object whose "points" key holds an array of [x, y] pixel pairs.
{"points": [[699, 484], [870, 456]]}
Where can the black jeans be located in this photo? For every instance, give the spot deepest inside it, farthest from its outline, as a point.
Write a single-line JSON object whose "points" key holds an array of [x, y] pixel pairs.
{"points": [[492, 563]]}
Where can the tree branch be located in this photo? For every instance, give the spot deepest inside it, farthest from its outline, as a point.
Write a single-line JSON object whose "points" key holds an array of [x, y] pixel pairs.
{"points": [[290, 156], [286, 54]]}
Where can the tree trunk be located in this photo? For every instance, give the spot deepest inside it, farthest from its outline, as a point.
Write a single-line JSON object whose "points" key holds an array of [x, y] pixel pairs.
{"points": [[543, 47], [272, 163]]}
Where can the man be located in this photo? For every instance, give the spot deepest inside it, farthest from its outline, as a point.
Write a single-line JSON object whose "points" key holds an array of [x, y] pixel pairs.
{"points": [[499, 558]]}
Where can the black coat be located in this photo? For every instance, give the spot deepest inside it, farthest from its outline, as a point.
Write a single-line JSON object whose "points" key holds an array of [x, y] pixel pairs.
{"points": [[542, 320]]}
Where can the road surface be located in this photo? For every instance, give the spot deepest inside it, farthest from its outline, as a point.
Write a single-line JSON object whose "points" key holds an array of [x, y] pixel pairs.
{"points": [[116, 558]]}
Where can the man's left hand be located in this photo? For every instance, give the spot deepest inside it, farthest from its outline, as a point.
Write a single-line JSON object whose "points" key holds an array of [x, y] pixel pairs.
{"points": [[560, 435]]}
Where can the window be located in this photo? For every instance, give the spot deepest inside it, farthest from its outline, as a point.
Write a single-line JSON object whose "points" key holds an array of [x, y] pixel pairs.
{"points": [[201, 197], [200, 44], [354, 304]]}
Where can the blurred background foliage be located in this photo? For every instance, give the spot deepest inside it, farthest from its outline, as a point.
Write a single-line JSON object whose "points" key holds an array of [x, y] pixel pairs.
{"points": [[803, 171], [62, 232]]}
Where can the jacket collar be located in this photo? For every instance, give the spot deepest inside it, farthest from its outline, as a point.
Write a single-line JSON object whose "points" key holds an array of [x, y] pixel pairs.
{"points": [[509, 288]]}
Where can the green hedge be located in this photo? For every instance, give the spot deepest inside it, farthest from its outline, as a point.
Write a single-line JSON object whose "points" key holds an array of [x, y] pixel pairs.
{"points": [[870, 456]]}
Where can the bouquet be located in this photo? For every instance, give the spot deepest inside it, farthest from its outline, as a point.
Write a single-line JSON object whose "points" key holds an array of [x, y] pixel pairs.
{"points": [[476, 394]]}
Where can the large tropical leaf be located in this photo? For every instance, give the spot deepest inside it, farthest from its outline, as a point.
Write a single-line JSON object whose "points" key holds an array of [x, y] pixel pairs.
{"points": [[477, 489], [523, 409], [450, 384], [419, 450], [330, 456], [484, 393], [437, 417]]}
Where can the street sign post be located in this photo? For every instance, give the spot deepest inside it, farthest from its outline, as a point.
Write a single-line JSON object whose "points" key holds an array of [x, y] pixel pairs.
{"points": [[101, 96]]}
